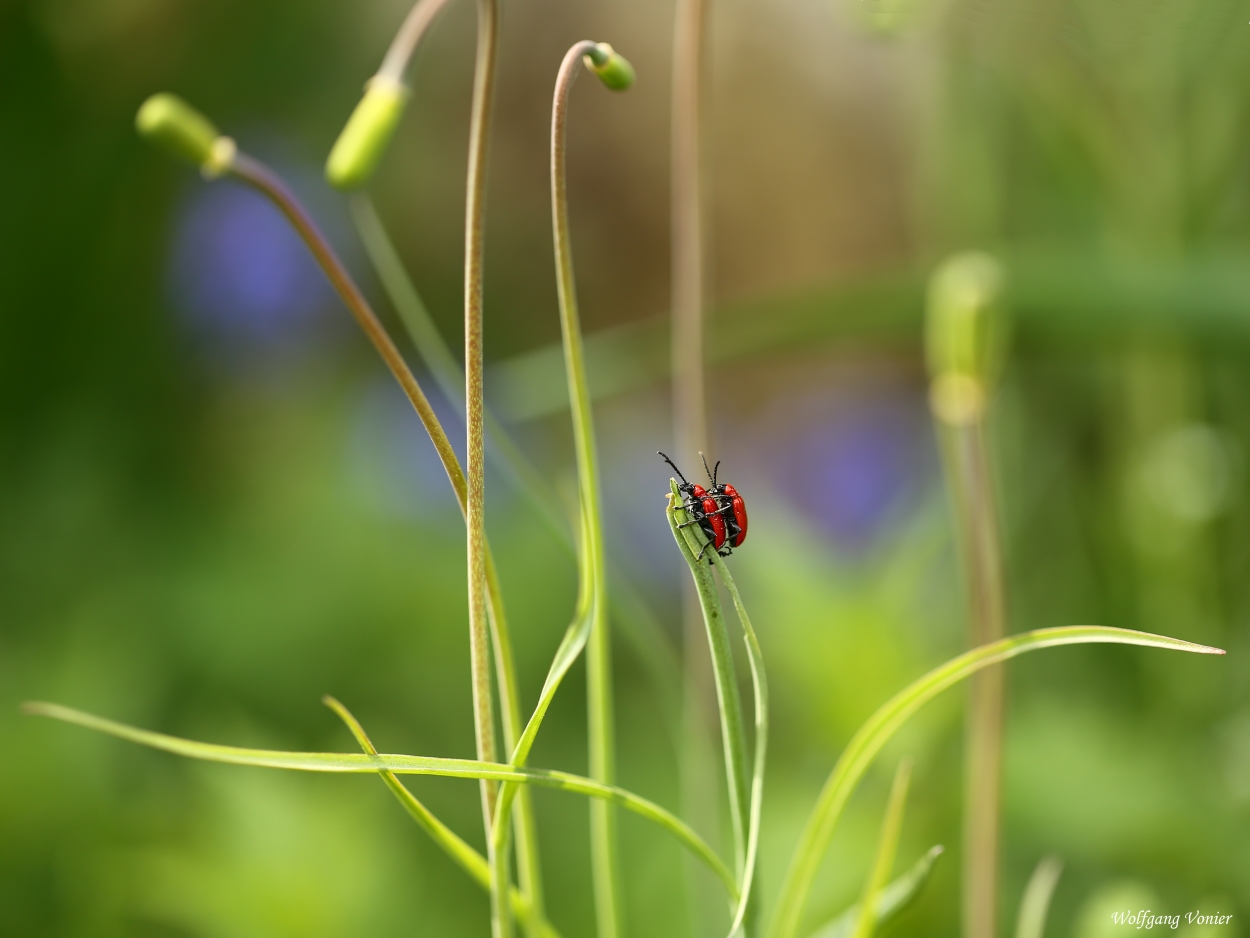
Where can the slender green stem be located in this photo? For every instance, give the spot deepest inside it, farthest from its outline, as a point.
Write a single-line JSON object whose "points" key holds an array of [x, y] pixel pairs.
{"points": [[598, 654], [368, 764], [972, 494], [464, 855], [874, 734]]}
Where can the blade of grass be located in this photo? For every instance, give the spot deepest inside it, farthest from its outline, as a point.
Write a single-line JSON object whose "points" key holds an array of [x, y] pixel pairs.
{"points": [[891, 900], [874, 734], [690, 545], [1037, 895], [733, 729], [464, 855], [366, 763], [887, 849]]}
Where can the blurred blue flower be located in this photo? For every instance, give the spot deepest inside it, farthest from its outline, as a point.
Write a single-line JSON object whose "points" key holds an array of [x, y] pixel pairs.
{"points": [[240, 273]]}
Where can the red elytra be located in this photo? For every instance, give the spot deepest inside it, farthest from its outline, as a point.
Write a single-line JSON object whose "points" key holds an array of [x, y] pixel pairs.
{"points": [[720, 512]]}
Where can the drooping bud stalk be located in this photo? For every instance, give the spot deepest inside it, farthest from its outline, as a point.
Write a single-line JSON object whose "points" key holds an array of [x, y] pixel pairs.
{"points": [[174, 125], [367, 134], [965, 333], [612, 68]]}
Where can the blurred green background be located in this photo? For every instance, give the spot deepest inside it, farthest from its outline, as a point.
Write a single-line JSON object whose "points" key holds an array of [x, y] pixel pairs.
{"points": [[216, 508]]}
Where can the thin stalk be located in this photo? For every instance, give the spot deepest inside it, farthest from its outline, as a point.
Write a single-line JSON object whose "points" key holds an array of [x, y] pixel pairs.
{"points": [[972, 495], [689, 401], [697, 768], [598, 653], [474, 233]]}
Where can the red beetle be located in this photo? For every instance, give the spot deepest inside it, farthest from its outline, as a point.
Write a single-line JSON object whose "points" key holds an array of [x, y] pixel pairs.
{"points": [[719, 512]]}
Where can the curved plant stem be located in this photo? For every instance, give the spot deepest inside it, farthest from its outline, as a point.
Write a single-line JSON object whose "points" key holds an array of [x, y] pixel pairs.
{"points": [[874, 734], [368, 764], [464, 855], [598, 654]]}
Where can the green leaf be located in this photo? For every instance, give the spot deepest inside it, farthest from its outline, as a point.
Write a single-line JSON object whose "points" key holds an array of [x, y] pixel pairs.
{"points": [[874, 734], [887, 849], [367, 763], [891, 900], [1036, 901]]}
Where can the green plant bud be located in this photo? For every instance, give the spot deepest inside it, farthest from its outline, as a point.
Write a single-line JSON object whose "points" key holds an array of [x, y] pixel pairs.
{"points": [[965, 334], [171, 123], [612, 68], [366, 135]]}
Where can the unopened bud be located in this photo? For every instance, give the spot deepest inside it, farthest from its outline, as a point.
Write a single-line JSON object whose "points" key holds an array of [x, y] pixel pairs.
{"points": [[965, 334], [171, 123], [367, 134], [612, 68]]}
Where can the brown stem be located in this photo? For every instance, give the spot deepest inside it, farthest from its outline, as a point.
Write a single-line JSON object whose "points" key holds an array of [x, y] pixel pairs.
{"points": [[479, 138], [973, 493]]}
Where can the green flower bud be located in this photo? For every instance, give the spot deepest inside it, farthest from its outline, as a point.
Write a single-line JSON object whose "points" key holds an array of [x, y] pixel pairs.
{"points": [[965, 334], [367, 134], [171, 123], [612, 68]]}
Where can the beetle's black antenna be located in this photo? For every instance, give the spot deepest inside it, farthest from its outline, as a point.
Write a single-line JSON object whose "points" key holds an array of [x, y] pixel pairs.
{"points": [[674, 465], [711, 473]]}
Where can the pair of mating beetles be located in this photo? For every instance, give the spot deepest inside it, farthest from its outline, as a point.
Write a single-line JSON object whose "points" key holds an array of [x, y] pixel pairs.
{"points": [[719, 511]]}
